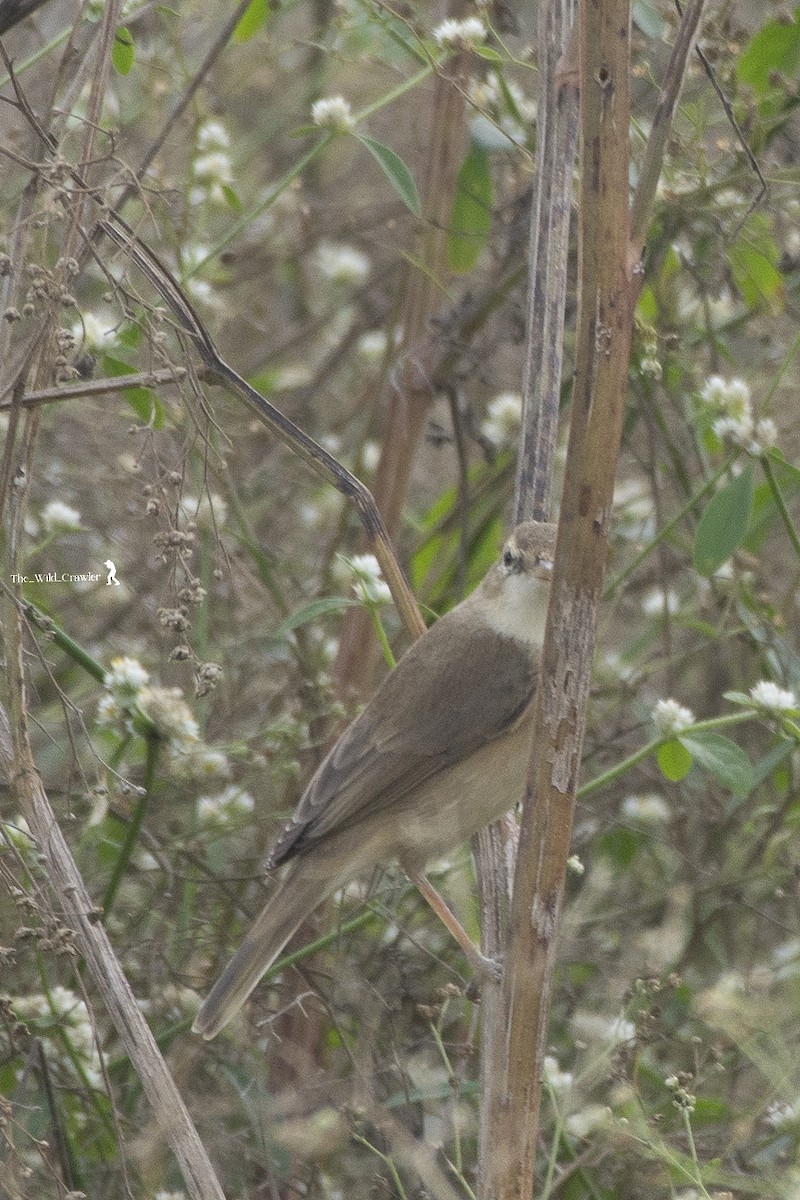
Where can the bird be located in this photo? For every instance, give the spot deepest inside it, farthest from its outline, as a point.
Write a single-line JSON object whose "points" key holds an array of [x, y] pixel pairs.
{"points": [[439, 751]]}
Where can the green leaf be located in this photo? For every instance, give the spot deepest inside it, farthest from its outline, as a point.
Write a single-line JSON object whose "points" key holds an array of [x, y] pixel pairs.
{"points": [[723, 525], [754, 259], [674, 761], [144, 402], [471, 218], [723, 759], [231, 197], [395, 171], [774, 49], [489, 54], [757, 277], [253, 17], [311, 612], [123, 51], [648, 20], [740, 698], [621, 845]]}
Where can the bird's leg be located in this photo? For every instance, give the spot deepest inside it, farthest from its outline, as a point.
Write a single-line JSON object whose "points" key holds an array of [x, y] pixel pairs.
{"points": [[484, 968]]}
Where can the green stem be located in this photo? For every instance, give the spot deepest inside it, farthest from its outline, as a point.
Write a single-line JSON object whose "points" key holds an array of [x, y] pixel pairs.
{"points": [[687, 1124], [387, 1162], [134, 826], [380, 632], [632, 760], [615, 584], [64, 642], [246, 218], [777, 495]]}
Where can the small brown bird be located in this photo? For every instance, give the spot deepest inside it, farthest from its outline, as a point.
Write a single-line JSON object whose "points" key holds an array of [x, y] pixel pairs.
{"points": [[440, 751]]}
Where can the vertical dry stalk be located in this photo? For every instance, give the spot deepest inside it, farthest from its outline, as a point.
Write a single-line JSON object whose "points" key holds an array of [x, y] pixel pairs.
{"points": [[606, 297], [412, 388], [547, 288]]}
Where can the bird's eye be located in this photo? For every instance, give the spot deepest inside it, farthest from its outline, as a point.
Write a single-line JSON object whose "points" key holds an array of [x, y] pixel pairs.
{"points": [[509, 558]]}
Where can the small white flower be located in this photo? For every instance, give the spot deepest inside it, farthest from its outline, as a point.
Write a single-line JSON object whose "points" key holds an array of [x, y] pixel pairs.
{"points": [[332, 112], [730, 396], [370, 455], [372, 345], [503, 417], [734, 429], [768, 695], [97, 331], [293, 375], [225, 806], [108, 710], [206, 510], [671, 717], [212, 135], [597, 1027], [375, 591], [765, 436], [460, 35], [57, 515], [366, 566], [127, 673], [560, 1081], [657, 602], [196, 761], [369, 587], [214, 167], [169, 712], [341, 263], [580, 1124], [650, 808], [575, 865]]}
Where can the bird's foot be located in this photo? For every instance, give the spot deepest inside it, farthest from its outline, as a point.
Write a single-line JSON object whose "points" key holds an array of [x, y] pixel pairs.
{"points": [[485, 970]]}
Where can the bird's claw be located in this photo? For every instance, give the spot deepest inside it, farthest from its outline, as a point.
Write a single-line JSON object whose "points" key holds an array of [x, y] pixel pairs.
{"points": [[486, 970]]}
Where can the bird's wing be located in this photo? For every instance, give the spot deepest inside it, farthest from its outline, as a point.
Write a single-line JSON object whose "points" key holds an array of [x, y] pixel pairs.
{"points": [[417, 724]]}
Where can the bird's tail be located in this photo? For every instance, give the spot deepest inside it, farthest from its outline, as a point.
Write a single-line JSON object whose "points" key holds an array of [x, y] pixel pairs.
{"points": [[295, 899]]}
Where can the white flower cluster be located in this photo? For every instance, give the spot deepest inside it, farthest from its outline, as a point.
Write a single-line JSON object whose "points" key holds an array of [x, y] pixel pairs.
{"points": [[212, 168], [334, 113], [460, 35], [776, 699], [171, 715], [502, 421], [671, 717], [651, 808], [59, 516], [657, 602], [736, 423], [95, 331], [559, 1080], [126, 674], [73, 1016], [369, 587], [193, 259], [341, 263], [128, 688], [207, 510], [225, 807]]}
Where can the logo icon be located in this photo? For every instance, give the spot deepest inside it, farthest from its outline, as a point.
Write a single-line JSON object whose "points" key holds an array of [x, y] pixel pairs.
{"points": [[112, 573]]}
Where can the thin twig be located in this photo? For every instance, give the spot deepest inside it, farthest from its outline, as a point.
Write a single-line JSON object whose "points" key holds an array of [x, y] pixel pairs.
{"points": [[96, 387]]}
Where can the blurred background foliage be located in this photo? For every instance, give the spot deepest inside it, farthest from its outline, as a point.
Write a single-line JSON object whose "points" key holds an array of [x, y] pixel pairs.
{"points": [[177, 726]]}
